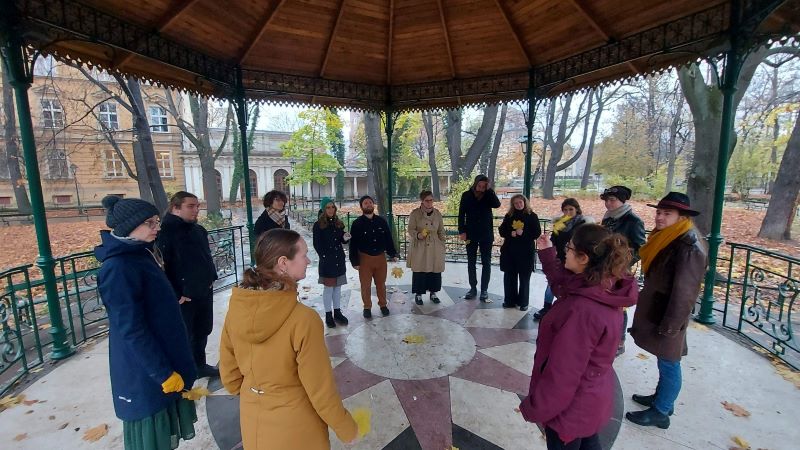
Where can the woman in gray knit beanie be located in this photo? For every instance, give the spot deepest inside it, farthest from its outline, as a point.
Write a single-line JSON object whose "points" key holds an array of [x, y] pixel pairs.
{"points": [[123, 215]]}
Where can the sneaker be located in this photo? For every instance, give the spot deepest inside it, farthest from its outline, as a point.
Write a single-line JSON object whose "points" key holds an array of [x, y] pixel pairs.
{"points": [[418, 299], [650, 417], [207, 371], [367, 313], [471, 294], [329, 320], [484, 296], [384, 310], [339, 317], [434, 298]]}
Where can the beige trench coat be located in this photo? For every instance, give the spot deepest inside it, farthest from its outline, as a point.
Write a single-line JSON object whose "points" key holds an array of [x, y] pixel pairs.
{"points": [[427, 254]]}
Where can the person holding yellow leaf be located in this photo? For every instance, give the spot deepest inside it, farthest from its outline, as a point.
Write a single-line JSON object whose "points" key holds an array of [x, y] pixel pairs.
{"points": [[427, 249], [273, 354], [149, 355], [519, 230]]}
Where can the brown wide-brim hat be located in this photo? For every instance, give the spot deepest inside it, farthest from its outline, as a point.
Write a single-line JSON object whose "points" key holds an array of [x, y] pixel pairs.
{"points": [[677, 201]]}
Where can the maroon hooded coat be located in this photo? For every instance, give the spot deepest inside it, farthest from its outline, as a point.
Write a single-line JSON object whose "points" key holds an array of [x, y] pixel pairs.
{"points": [[572, 383]]}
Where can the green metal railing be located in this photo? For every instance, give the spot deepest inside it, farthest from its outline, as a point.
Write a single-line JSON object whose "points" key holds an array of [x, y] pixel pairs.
{"points": [[24, 319]]}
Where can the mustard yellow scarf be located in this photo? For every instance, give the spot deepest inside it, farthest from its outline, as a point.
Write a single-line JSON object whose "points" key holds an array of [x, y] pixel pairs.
{"points": [[658, 240]]}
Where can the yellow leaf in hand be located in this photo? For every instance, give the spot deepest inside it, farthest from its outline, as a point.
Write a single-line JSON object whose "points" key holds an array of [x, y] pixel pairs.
{"points": [[425, 232], [397, 272], [362, 416], [195, 393], [517, 225]]}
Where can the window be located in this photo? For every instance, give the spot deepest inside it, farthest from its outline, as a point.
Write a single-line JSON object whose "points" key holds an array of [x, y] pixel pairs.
{"points": [[52, 114], [57, 167], [5, 201], [108, 115], [45, 66], [164, 162], [158, 119], [62, 199], [114, 167]]}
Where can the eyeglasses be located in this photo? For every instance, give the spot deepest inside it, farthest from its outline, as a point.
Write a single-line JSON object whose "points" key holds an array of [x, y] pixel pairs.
{"points": [[569, 247], [153, 223]]}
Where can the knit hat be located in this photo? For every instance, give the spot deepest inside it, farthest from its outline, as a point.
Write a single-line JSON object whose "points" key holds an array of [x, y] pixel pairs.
{"points": [[123, 215], [323, 203], [622, 193]]}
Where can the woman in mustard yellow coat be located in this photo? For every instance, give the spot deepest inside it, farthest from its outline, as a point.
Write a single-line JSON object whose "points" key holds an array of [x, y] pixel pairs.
{"points": [[273, 355]]}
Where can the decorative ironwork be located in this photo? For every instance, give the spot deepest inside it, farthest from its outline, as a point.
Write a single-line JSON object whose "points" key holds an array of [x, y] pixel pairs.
{"points": [[78, 277], [14, 300], [224, 243]]}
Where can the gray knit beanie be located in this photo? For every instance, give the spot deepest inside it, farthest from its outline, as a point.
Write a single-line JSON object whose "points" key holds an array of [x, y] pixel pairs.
{"points": [[123, 215]]}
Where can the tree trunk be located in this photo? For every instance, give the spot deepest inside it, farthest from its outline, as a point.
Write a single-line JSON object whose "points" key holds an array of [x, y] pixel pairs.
{"points": [[481, 142], [238, 168], [199, 108], [427, 121], [556, 146], [376, 160], [12, 148], [777, 223], [498, 137], [587, 168], [672, 148], [142, 135], [776, 128], [453, 138]]}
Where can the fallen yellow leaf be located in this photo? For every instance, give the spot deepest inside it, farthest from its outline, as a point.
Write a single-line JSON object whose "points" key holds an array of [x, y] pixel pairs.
{"points": [[96, 433], [642, 356], [737, 410], [362, 416], [195, 393], [21, 437], [787, 373], [9, 401], [414, 339], [738, 440]]}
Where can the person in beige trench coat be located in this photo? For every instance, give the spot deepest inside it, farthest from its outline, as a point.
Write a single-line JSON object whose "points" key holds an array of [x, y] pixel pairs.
{"points": [[273, 355], [426, 249]]}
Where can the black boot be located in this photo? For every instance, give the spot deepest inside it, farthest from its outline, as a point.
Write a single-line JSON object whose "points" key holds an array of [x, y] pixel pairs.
{"points": [[540, 313], [650, 417], [418, 299], [339, 317], [471, 294], [647, 400], [484, 296], [434, 298], [329, 320]]}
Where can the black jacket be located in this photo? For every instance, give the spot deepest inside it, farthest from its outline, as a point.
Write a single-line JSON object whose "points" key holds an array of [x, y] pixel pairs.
{"points": [[475, 217], [370, 236], [630, 226], [265, 223], [328, 244], [187, 257], [517, 253]]}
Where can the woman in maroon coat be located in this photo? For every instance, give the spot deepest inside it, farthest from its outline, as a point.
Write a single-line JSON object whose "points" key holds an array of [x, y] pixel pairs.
{"points": [[572, 383]]}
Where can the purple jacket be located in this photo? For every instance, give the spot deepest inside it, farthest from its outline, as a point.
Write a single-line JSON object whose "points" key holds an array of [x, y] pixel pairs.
{"points": [[572, 383]]}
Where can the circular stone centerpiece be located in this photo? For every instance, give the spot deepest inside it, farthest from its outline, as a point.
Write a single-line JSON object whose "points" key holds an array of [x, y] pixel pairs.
{"points": [[410, 347]]}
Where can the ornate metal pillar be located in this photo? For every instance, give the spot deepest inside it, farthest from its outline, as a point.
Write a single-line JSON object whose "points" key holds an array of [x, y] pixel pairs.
{"points": [[20, 76], [241, 116], [526, 190]]}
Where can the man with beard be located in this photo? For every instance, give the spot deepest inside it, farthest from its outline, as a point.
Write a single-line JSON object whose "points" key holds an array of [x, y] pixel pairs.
{"points": [[370, 242], [190, 269], [476, 228]]}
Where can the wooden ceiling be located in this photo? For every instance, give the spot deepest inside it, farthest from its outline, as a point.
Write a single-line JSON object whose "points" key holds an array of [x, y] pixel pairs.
{"points": [[367, 53]]}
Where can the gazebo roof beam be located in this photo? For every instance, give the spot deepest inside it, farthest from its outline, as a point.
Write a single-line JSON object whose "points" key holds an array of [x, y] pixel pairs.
{"points": [[446, 39], [514, 32], [331, 39], [166, 20], [260, 30], [607, 37]]}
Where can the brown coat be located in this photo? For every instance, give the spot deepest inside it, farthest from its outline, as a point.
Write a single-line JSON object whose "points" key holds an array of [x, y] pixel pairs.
{"points": [[273, 356], [665, 302], [426, 255]]}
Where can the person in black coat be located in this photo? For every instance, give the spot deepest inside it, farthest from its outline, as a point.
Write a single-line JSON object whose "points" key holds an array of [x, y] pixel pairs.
{"points": [[329, 238], [563, 227], [274, 216], [149, 356], [620, 218], [476, 228], [519, 230], [191, 271]]}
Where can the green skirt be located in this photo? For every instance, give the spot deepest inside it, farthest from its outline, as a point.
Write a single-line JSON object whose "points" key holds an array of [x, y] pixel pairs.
{"points": [[163, 430]]}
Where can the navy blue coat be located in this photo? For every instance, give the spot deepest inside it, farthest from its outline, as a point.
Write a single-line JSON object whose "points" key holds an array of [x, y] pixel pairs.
{"points": [[147, 337], [328, 244]]}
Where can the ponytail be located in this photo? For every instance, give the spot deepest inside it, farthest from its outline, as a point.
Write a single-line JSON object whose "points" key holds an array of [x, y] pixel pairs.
{"points": [[270, 246]]}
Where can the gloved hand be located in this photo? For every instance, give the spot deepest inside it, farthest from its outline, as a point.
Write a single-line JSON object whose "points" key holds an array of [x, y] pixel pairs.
{"points": [[172, 384]]}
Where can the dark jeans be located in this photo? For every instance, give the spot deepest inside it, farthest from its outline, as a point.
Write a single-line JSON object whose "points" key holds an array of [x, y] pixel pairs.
{"points": [[198, 316], [548, 296], [669, 385], [486, 263], [517, 294], [555, 443], [422, 282]]}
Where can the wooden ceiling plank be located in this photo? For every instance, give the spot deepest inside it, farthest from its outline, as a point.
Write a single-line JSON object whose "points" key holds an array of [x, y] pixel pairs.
{"points": [[607, 37], [389, 44], [166, 20], [331, 38], [446, 39], [514, 32], [260, 30]]}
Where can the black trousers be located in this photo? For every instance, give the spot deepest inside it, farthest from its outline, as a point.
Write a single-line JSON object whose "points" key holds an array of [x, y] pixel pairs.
{"points": [[422, 282], [198, 316], [517, 284], [486, 263], [555, 443]]}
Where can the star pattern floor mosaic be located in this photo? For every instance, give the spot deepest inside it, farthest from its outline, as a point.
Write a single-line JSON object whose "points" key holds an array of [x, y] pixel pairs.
{"points": [[434, 376]]}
